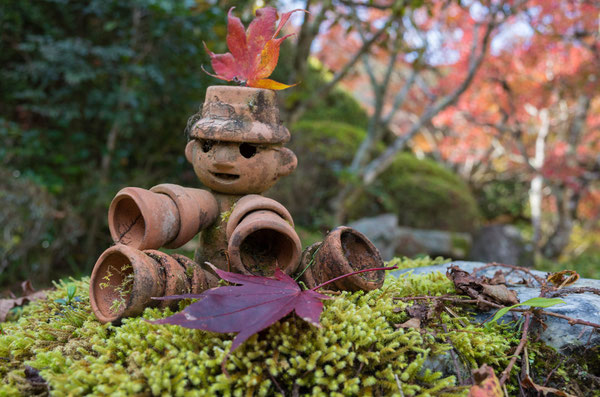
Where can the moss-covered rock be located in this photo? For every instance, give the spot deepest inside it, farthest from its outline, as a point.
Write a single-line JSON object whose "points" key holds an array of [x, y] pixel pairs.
{"points": [[423, 194], [359, 350]]}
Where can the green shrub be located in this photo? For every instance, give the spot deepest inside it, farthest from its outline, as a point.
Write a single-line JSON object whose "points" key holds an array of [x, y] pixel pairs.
{"points": [[324, 149], [422, 193], [502, 197], [38, 234]]}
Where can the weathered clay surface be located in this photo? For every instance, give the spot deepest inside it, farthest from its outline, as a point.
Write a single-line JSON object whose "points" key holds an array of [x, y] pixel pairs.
{"points": [[263, 241], [122, 283], [142, 219], [241, 114], [343, 251], [196, 209], [125, 279], [166, 215], [255, 202], [558, 334], [173, 274], [237, 146], [200, 280]]}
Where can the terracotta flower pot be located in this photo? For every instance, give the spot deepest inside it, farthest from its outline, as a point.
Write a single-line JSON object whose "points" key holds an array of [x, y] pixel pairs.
{"points": [[167, 215], [122, 283], [343, 251], [255, 202], [201, 280], [262, 241], [124, 280], [197, 209]]}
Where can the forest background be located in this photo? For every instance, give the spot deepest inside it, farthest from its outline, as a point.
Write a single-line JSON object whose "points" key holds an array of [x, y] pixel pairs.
{"points": [[451, 114]]}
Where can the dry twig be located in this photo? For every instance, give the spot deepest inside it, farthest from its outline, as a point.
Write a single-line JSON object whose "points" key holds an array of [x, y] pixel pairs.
{"points": [[522, 344]]}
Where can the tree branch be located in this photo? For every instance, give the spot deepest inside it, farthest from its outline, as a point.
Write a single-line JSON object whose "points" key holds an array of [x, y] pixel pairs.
{"points": [[340, 74], [378, 165]]}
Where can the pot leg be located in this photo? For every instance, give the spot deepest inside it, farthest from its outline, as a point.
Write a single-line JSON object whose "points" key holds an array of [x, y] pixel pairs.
{"points": [[124, 280]]}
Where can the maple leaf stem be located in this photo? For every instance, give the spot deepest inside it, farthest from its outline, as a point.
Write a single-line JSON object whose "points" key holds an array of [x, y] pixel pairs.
{"points": [[352, 274]]}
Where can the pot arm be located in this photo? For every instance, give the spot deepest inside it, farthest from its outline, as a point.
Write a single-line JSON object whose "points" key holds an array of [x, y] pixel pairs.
{"points": [[166, 215]]}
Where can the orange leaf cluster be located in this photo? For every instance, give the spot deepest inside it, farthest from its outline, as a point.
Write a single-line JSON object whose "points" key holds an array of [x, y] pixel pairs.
{"points": [[254, 53]]}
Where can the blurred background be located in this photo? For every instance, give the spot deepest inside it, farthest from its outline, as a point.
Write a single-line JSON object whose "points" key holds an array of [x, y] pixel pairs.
{"points": [[467, 129]]}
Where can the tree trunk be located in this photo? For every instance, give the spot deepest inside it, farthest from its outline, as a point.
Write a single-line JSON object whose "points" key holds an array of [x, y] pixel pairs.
{"points": [[566, 202], [537, 183]]}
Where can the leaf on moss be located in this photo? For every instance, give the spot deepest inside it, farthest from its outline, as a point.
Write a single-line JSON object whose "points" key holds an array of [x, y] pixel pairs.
{"points": [[412, 323], [249, 308]]}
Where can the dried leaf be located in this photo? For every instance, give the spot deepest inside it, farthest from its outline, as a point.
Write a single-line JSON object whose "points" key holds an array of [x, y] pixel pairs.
{"points": [[500, 294], [563, 278], [486, 383], [253, 54], [29, 294], [481, 287], [527, 382], [412, 323], [498, 278], [249, 308], [418, 311]]}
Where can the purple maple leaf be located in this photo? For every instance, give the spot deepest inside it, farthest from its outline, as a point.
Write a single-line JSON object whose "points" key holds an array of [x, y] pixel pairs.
{"points": [[249, 308]]}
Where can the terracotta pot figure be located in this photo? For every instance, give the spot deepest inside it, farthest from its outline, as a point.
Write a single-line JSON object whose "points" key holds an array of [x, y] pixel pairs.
{"points": [[237, 151]]}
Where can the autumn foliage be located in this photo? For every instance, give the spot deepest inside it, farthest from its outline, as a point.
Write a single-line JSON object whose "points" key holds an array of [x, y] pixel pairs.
{"points": [[254, 53]]}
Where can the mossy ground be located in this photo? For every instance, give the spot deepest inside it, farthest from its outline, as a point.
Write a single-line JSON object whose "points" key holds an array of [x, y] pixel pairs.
{"points": [[358, 350]]}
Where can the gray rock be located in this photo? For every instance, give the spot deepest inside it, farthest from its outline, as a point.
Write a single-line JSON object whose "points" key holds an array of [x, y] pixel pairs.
{"points": [[393, 240], [381, 230], [558, 334], [410, 242], [500, 243]]}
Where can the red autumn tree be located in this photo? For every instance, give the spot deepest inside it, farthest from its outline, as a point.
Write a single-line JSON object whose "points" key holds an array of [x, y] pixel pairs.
{"points": [[421, 64], [534, 111]]}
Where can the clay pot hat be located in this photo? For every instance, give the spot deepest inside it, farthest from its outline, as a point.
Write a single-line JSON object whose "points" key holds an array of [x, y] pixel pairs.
{"points": [[240, 114]]}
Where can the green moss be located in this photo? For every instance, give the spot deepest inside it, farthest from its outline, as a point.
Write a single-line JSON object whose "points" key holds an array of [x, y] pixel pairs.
{"points": [[423, 194], [406, 263], [358, 350], [224, 216]]}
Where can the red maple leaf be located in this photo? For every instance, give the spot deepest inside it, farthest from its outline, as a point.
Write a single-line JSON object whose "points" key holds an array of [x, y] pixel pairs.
{"points": [[251, 307], [253, 53]]}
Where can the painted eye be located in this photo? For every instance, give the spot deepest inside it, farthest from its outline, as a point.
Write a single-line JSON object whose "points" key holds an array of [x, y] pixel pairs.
{"points": [[206, 145], [247, 150]]}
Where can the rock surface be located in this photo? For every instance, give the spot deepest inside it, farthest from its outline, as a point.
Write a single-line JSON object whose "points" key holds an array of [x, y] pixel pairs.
{"points": [[393, 240], [559, 334], [500, 243]]}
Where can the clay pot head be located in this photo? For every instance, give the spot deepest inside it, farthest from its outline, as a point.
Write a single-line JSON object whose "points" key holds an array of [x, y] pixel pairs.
{"points": [[237, 145]]}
